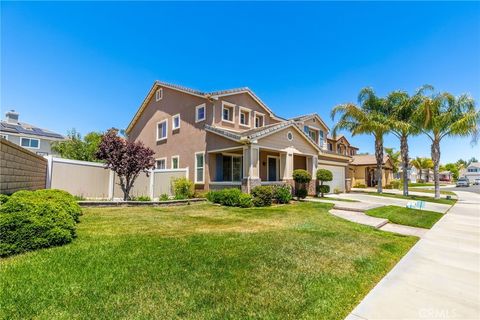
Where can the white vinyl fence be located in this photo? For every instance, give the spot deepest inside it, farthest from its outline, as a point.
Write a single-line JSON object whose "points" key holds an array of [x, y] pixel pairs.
{"points": [[92, 181]]}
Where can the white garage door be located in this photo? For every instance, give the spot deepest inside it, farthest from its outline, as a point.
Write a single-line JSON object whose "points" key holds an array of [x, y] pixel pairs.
{"points": [[338, 177]]}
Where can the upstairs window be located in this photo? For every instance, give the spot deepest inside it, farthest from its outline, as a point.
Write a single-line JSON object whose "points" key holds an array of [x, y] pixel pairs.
{"points": [[159, 94], [30, 143], [176, 122], [306, 129], [322, 140], [200, 113], [227, 112], [162, 128], [313, 135], [245, 117], [175, 162], [259, 120]]}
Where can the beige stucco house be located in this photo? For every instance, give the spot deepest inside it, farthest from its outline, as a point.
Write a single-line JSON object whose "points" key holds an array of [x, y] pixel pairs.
{"points": [[231, 138], [362, 170]]}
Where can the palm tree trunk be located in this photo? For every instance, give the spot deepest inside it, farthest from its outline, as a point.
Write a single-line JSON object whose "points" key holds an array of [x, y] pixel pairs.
{"points": [[379, 158], [404, 155], [436, 165]]}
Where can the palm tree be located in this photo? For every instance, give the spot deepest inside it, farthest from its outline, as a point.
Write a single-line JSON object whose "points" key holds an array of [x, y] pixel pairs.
{"points": [[366, 118], [394, 157], [423, 164], [400, 106], [441, 115]]}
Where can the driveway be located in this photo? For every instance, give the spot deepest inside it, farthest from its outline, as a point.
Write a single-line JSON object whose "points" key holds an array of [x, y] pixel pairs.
{"points": [[439, 278]]}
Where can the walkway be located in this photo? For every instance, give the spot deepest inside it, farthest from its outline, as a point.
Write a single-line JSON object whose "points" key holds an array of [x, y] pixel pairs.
{"points": [[439, 278]]}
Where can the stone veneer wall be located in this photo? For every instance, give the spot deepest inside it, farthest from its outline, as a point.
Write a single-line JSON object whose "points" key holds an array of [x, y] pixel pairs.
{"points": [[20, 169]]}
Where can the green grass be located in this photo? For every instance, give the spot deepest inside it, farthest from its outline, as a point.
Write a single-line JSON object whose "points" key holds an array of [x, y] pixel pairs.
{"points": [[412, 197], [202, 262], [447, 192], [406, 216], [424, 184], [337, 199]]}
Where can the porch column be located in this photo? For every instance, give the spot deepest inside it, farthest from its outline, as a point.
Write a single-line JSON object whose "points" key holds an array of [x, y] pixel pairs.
{"points": [[312, 164], [251, 155]]}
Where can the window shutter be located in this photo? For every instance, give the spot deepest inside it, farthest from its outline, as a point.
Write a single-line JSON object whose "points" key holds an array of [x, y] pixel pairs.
{"points": [[219, 168]]}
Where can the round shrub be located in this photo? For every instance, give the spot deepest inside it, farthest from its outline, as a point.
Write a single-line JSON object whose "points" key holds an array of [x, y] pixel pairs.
{"points": [[323, 189], [324, 175], [183, 188], [262, 196], [3, 198], [301, 193], [245, 200], [282, 194], [301, 176], [30, 220]]}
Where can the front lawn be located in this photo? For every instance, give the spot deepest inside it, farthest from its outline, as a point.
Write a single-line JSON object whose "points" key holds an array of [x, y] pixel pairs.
{"points": [[337, 199], [202, 262], [406, 216], [432, 191], [413, 197]]}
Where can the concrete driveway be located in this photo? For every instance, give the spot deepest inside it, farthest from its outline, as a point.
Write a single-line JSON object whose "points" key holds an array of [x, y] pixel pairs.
{"points": [[439, 278]]}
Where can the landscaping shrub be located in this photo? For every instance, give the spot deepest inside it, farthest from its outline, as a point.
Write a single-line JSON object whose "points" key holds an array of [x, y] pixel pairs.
{"points": [[183, 188], [231, 197], [141, 198], [3, 198], [324, 175], [30, 220], [301, 193], [282, 194], [323, 189], [245, 200], [337, 191], [396, 184], [262, 196], [164, 197], [359, 185]]}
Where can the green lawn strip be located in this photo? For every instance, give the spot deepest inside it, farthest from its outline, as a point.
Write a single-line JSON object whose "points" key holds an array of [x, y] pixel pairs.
{"points": [[432, 191], [406, 216], [202, 262], [413, 197], [337, 199], [424, 184]]}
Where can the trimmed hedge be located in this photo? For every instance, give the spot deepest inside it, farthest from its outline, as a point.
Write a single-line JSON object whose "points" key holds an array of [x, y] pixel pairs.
{"points": [[230, 197], [282, 194], [262, 196], [31, 220], [183, 188], [323, 189]]}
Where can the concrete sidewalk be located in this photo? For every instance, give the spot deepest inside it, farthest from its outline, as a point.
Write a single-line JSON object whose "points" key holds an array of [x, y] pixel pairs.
{"points": [[439, 278]]}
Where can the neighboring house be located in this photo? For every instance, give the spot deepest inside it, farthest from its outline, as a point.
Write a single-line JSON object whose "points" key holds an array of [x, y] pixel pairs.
{"points": [[363, 170], [341, 145], [28, 136], [472, 172], [412, 174], [445, 176], [231, 138]]}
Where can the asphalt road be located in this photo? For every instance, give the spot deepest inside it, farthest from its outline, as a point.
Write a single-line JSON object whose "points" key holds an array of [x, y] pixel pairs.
{"points": [[472, 188]]}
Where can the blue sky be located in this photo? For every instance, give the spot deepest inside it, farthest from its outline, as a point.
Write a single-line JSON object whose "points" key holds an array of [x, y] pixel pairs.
{"points": [[88, 65]]}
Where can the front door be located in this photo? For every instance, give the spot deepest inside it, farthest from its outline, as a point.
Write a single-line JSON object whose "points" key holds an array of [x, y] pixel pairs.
{"points": [[272, 169]]}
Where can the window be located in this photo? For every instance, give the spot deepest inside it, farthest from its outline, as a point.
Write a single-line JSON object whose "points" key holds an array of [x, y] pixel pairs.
{"points": [[313, 135], [227, 111], [199, 166], [330, 146], [162, 128], [306, 129], [30, 143], [232, 168], [161, 163], [473, 170], [245, 117], [290, 136], [200, 113], [259, 120], [176, 122], [159, 94], [322, 138], [175, 162]]}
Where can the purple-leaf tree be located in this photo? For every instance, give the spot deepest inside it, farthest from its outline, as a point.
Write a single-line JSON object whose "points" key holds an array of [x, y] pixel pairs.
{"points": [[126, 158]]}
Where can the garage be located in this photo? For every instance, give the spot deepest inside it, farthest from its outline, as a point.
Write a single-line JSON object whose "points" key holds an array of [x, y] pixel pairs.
{"points": [[338, 173]]}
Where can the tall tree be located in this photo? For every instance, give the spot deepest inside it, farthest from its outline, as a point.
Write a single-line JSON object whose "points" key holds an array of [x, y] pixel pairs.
{"points": [[442, 114], [126, 158], [423, 164], [401, 106], [368, 117], [394, 157], [77, 148]]}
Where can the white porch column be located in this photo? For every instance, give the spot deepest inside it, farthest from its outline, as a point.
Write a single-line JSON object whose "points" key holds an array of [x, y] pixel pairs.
{"points": [[251, 168]]}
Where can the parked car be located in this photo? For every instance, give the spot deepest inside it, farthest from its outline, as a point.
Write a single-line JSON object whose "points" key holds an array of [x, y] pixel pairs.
{"points": [[463, 182], [476, 181]]}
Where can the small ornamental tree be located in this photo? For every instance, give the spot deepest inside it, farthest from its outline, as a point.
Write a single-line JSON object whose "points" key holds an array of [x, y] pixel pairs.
{"points": [[324, 175], [301, 178], [126, 158]]}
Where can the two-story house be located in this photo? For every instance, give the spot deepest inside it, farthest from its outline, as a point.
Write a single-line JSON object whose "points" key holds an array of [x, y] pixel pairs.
{"points": [[28, 136], [231, 138]]}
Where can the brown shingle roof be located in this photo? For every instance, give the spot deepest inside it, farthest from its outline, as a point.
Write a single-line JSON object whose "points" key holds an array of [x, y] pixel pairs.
{"points": [[366, 159]]}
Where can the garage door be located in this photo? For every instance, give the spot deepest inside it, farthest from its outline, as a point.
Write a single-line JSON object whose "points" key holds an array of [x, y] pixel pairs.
{"points": [[338, 177]]}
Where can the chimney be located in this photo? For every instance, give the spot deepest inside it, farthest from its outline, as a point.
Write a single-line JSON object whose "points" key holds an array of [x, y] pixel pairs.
{"points": [[11, 116]]}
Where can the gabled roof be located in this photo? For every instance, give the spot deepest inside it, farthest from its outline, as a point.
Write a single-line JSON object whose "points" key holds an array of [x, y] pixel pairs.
{"points": [[197, 93], [367, 159], [258, 133], [27, 129], [474, 164], [306, 117]]}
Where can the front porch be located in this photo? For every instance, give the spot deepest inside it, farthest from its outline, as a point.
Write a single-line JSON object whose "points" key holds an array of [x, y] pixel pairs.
{"points": [[249, 166]]}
